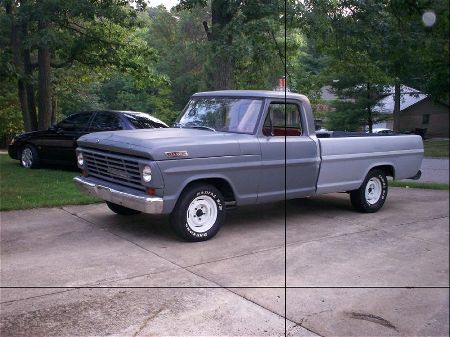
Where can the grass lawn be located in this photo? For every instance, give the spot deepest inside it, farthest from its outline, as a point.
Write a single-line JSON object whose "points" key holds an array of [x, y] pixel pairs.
{"points": [[414, 184], [22, 188], [436, 148]]}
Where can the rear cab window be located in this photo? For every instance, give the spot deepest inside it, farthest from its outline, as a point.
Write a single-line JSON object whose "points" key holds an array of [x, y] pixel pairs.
{"points": [[283, 120]]}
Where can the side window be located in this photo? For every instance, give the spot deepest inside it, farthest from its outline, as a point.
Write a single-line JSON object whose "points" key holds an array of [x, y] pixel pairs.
{"points": [[283, 119], [76, 122], [104, 121]]}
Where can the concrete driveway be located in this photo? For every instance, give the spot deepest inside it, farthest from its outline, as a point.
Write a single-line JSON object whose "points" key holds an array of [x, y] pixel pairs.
{"points": [[82, 270]]}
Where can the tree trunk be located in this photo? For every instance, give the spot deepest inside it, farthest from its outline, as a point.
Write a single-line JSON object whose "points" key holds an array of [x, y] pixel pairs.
{"points": [[223, 63], [45, 108], [15, 41], [28, 83], [223, 76], [396, 114]]}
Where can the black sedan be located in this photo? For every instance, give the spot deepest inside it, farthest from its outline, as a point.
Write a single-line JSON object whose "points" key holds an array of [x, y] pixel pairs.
{"points": [[58, 143]]}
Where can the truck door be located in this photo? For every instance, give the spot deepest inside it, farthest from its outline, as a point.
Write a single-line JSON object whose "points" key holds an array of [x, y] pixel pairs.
{"points": [[283, 141]]}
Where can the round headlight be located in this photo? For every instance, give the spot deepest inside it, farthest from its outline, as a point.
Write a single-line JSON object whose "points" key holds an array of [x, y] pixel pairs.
{"points": [[146, 173], [80, 159]]}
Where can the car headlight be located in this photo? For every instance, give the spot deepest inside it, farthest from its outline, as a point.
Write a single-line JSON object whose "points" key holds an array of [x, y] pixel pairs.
{"points": [[80, 159], [146, 173]]}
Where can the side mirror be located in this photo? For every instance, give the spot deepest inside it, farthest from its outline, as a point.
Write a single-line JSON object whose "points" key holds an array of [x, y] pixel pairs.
{"points": [[53, 127]]}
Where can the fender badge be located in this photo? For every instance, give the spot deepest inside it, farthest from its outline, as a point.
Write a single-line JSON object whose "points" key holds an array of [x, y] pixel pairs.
{"points": [[177, 154]]}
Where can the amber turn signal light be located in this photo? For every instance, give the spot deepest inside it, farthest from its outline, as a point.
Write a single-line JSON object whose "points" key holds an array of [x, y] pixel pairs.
{"points": [[150, 191]]}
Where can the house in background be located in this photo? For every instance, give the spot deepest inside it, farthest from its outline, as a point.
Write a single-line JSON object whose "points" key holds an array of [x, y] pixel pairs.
{"points": [[417, 111]]}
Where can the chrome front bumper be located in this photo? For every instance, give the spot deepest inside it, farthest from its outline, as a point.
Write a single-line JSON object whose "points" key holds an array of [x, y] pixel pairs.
{"points": [[120, 195]]}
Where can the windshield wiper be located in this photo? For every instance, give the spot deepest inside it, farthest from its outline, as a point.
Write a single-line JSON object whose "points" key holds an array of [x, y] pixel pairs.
{"points": [[201, 127]]}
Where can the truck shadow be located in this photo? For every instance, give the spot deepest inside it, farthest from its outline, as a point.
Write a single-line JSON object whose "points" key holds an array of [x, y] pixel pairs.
{"points": [[270, 217]]}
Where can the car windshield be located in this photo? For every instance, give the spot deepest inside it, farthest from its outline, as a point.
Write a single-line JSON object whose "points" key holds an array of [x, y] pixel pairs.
{"points": [[238, 115]]}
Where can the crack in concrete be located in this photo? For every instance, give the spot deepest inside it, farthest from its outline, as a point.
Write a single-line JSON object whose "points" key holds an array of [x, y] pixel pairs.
{"points": [[300, 324], [146, 321], [37, 296], [372, 318]]}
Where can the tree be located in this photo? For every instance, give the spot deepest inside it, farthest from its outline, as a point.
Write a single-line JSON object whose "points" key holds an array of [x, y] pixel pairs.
{"points": [[47, 35], [354, 108], [181, 44], [239, 29], [388, 35]]}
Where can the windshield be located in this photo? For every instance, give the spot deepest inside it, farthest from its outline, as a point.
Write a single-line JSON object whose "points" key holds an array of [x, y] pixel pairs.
{"points": [[225, 114]]}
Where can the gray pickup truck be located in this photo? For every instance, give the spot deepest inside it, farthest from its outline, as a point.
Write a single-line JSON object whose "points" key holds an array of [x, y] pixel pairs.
{"points": [[234, 148]]}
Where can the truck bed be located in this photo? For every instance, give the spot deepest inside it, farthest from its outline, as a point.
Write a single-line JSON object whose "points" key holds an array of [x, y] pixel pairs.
{"points": [[346, 158]]}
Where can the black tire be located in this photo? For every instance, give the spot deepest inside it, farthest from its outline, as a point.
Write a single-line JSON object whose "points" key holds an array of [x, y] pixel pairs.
{"points": [[121, 210], [367, 202], [29, 157], [199, 200]]}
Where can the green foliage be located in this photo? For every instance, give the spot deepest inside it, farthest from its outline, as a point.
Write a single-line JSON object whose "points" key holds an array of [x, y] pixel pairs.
{"points": [[88, 41], [346, 116], [110, 54], [10, 115], [182, 48], [121, 93], [422, 185], [385, 41]]}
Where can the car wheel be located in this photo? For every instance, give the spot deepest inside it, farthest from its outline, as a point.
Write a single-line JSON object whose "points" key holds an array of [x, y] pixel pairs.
{"points": [[199, 213], [370, 197], [29, 157], [121, 210]]}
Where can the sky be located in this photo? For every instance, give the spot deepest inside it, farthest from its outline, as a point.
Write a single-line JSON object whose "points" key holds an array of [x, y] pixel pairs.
{"points": [[167, 3]]}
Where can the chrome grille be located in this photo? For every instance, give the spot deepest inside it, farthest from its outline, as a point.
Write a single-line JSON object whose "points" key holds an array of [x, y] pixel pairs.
{"points": [[118, 169]]}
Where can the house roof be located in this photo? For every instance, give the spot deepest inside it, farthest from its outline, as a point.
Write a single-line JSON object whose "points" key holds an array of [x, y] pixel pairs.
{"points": [[409, 96]]}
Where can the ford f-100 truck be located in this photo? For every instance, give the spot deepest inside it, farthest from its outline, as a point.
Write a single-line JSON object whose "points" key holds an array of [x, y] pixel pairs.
{"points": [[233, 148]]}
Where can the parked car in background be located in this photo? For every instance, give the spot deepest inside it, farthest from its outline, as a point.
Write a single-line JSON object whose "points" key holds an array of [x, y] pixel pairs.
{"points": [[58, 143], [380, 130]]}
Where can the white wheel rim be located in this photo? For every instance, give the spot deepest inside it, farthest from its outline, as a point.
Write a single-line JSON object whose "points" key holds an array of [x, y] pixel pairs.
{"points": [[27, 157], [373, 191], [201, 214]]}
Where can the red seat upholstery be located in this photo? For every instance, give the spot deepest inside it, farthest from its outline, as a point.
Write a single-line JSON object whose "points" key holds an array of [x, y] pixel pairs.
{"points": [[282, 132]]}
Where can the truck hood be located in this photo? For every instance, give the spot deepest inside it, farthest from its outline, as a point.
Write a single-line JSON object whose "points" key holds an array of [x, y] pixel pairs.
{"points": [[161, 144]]}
